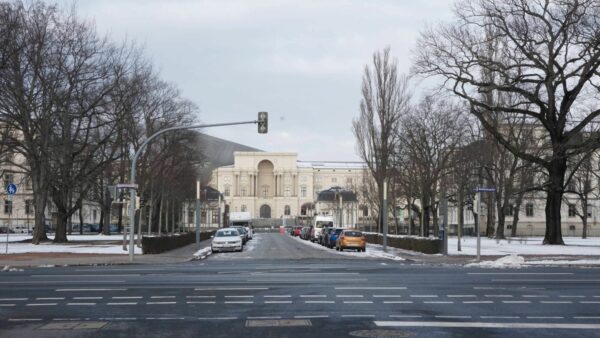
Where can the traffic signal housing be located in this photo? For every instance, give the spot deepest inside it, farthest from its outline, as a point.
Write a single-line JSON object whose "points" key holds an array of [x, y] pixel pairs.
{"points": [[263, 122]]}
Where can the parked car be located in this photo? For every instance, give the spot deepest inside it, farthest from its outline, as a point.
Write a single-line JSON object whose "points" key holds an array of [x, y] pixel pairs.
{"points": [[242, 232], [320, 223], [324, 237], [296, 230], [227, 239], [351, 239], [333, 236], [306, 233]]}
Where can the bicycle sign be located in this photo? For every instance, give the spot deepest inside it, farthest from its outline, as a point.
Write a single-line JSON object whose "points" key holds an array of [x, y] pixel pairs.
{"points": [[11, 189]]}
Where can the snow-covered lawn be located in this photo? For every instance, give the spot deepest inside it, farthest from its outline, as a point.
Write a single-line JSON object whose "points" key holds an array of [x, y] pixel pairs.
{"points": [[71, 238], [14, 248], [525, 246], [373, 250]]}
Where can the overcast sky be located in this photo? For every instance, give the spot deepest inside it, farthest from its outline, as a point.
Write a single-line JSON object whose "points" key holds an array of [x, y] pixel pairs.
{"points": [[301, 61]]}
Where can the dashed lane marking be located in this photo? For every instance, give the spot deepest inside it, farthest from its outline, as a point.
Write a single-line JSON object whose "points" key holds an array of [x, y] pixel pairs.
{"points": [[87, 298], [81, 304], [534, 296], [24, 319], [127, 297], [12, 299], [266, 317], [487, 325], [397, 302], [423, 296], [478, 302], [370, 288], [278, 302], [319, 302], [277, 296], [499, 317], [86, 290], [454, 317], [239, 302], [7, 305], [193, 302], [162, 297], [239, 296], [405, 316], [387, 296], [516, 302], [311, 316], [588, 302], [117, 304], [438, 302], [498, 296], [571, 296], [229, 289], [41, 304], [556, 302], [358, 302], [584, 317], [160, 303], [542, 317], [313, 296], [217, 318], [358, 316], [50, 298], [349, 296], [461, 296]]}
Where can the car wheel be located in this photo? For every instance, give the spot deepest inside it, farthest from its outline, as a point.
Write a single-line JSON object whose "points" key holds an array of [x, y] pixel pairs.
{"points": [[337, 248]]}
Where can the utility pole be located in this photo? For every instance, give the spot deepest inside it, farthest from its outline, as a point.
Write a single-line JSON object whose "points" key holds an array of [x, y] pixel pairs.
{"points": [[385, 215]]}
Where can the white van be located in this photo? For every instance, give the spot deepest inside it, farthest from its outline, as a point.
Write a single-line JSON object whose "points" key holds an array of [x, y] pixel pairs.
{"points": [[319, 223]]}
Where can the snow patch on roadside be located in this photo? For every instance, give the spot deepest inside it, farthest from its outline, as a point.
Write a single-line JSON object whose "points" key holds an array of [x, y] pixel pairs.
{"points": [[203, 253], [10, 268], [374, 251], [583, 262], [510, 261]]}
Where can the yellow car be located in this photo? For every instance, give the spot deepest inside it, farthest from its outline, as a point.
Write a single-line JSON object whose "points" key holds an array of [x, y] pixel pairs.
{"points": [[351, 239]]}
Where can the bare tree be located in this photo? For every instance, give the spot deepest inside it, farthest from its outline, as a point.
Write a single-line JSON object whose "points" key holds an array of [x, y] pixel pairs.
{"points": [[384, 99], [549, 64]]}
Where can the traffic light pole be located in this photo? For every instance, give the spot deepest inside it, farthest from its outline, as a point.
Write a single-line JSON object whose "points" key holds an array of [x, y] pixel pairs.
{"points": [[134, 163]]}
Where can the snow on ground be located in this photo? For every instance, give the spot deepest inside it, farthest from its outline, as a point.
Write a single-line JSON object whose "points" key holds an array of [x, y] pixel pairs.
{"points": [[373, 250], [203, 253], [14, 248], [525, 246], [72, 238], [510, 261]]}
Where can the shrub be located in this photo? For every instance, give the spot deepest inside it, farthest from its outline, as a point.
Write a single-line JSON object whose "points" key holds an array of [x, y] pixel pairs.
{"points": [[159, 244]]}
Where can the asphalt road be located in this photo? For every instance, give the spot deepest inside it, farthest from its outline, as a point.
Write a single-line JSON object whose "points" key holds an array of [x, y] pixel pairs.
{"points": [[282, 287]]}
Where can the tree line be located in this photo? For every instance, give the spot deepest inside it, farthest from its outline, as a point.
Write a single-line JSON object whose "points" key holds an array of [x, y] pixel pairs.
{"points": [[515, 106], [75, 106]]}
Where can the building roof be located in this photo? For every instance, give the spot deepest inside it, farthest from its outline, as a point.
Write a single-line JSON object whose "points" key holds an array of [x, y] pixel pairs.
{"points": [[331, 165]]}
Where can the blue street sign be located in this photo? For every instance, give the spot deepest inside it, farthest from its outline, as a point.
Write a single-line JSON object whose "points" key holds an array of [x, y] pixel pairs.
{"points": [[485, 190], [11, 189]]}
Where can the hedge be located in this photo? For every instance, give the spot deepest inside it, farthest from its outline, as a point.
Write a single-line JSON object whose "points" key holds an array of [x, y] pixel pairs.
{"points": [[159, 244], [420, 244]]}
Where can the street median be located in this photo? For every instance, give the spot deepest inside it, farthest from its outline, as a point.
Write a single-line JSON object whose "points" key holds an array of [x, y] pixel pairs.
{"points": [[413, 243]]}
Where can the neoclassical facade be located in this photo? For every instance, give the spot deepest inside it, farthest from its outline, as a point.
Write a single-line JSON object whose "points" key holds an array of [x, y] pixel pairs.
{"points": [[277, 185]]}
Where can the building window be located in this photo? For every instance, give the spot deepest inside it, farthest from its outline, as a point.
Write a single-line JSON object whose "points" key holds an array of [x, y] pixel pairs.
{"points": [[94, 215], [190, 216], [365, 211], [7, 207], [317, 189], [349, 181], [510, 210], [286, 193], [590, 213], [572, 210], [227, 190], [243, 209], [243, 191], [287, 210], [265, 190], [28, 207], [529, 210], [334, 180], [303, 191], [318, 179]]}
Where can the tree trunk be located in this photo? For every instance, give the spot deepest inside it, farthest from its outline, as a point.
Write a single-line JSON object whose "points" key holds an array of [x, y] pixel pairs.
{"points": [[489, 202], [39, 230], [61, 227], [106, 211], [556, 177], [160, 212], [81, 221], [584, 219]]}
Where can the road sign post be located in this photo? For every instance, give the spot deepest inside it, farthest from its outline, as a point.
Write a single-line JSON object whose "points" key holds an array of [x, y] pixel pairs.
{"points": [[11, 190], [479, 190]]}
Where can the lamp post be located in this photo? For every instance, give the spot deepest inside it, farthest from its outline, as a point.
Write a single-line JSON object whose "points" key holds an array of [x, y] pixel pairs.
{"points": [[262, 128]]}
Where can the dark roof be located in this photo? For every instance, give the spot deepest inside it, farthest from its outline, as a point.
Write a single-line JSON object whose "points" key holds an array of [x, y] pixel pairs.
{"points": [[219, 152], [331, 194], [210, 194]]}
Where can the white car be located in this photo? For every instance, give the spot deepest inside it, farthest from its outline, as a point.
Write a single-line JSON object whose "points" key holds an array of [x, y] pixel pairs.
{"points": [[250, 232], [226, 240]]}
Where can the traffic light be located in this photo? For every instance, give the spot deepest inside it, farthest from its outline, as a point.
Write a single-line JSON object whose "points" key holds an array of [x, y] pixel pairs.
{"points": [[263, 122]]}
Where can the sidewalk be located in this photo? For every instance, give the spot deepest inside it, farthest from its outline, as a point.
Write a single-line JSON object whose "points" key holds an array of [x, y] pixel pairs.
{"points": [[41, 259]]}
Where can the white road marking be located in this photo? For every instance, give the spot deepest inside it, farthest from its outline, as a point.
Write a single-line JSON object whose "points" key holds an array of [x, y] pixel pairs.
{"points": [[423, 296], [319, 302], [461, 296], [387, 296], [193, 302], [499, 317], [127, 297], [358, 302], [160, 303], [371, 288], [549, 280], [277, 296], [78, 276], [556, 302], [278, 302], [81, 304], [588, 302], [454, 317], [313, 296], [358, 316], [239, 296], [200, 297], [438, 302], [487, 325], [583, 317], [266, 317], [165, 318], [397, 302], [240, 302], [50, 298], [349, 296], [309, 317], [133, 303], [118, 318], [534, 296], [86, 290], [41, 304], [12, 299], [228, 289], [498, 296], [571, 296], [84, 298], [162, 297], [217, 318], [405, 316], [542, 317], [478, 302], [520, 273], [24, 319], [516, 302], [7, 305], [65, 319]]}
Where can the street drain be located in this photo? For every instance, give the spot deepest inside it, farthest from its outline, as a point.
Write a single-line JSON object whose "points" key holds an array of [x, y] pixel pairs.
{"points": [[73, 326], [381, 333], [277, 322]]}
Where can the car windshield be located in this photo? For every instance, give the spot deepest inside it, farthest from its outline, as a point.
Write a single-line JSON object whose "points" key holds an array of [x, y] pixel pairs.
{"points": [[227, 233], [337, 231], [321, 224], [353, 233]]}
